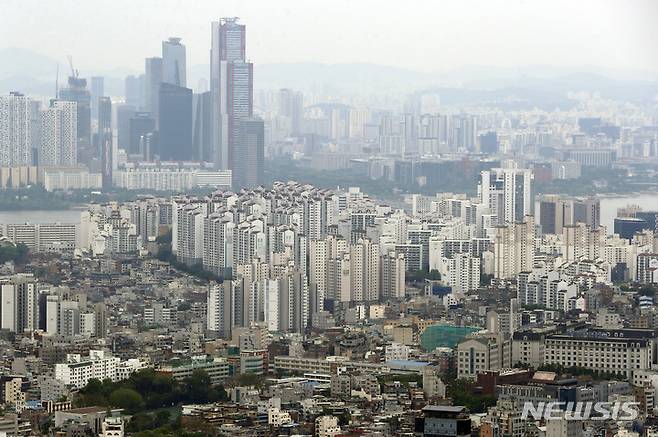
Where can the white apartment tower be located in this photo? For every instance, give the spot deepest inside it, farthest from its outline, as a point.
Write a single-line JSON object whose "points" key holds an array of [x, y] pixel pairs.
{"points": [[364, 268], [59, 135], [514, 248], [393, 276], [507, 193], [15, 130], [19, 307], [219, 315]]}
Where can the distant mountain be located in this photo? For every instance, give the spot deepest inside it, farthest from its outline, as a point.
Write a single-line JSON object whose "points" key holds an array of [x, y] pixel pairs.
{"points": [[21, 62], [358, 78], [545, 86], [32, 73]]}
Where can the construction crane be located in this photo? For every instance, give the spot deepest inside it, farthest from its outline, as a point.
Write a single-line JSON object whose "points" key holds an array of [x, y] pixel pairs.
{"points": [[74, 73]]}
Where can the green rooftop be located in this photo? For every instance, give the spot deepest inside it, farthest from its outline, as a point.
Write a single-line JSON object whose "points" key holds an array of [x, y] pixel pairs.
{"points": [[444, 336]]}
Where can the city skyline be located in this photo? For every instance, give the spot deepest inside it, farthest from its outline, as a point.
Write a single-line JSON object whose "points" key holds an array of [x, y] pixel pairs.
{"points": [[328, 250]]}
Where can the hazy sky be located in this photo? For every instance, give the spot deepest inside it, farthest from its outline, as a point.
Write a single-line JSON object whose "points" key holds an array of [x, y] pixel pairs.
{"points": [[423, 35]]}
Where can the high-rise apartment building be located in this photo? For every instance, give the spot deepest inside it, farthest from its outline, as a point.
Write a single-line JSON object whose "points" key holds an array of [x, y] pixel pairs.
{"points": [[507, 193], [364, 268], [78, 93], [15, 130], [393, 276], [59, 134], [514, 248], [291, 105], [220, 309], [19, 304]]}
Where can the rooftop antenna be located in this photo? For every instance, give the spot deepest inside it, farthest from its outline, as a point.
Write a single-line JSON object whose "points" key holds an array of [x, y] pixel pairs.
{"points": [[57, 83]]}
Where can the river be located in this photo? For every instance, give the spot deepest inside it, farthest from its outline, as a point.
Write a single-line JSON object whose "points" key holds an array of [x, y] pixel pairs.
{"points": [[609, 206], [46, 216]]}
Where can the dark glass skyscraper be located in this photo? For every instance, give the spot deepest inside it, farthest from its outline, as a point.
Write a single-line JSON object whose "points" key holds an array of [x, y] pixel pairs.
{"points": [[104, 138], [249, 147], [175, 132], [202, 127], [141, 123], [124, 113]]}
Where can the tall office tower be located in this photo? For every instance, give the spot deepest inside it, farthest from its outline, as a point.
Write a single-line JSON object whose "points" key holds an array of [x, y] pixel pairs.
{"points": [[220, 312], [152, 81], [250, 149], [104, 137], [141, 124], [555, 212], [488, 142], [231, 86], [587, 210], [173, 62], [392, 276], [77, 92], [202, 127], [59, 134], [15, 130], [124, 113], [364, 268], [291, 105], [104, 127], [514, 248], [507, 193], [134, 91], [175, 128], [19, 304], [97, 91]]}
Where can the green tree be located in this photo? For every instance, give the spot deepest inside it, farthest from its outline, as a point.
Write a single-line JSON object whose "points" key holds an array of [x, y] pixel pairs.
{"points": [[16, 253], [128, 399], [197, 386], [162, 418]]}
